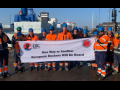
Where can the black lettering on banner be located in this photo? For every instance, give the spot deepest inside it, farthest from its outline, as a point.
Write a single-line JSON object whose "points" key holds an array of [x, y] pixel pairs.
{"points": [[78, 54], [70, 54], [63, 37], [44, 52], [58, 51], [64, 54]]}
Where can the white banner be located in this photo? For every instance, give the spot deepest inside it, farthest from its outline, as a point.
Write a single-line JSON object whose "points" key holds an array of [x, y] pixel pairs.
{"points": [[66, 50]]}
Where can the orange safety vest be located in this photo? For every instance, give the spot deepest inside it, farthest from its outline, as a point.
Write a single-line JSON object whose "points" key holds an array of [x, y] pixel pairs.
{"points": [[110, 39], [101, 47], [64, 36], [33, 38], [16, 45], [51, 37], [115, 46], [4, 40]]}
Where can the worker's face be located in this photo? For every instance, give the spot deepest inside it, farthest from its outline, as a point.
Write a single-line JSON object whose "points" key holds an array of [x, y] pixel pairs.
{"points": [[79, 31], [64, 28], [101, 33], [85, 34], [0, 30], [31, 33], [75, 32], [44, 34], [51, 31], [95, 35], [109, 32]]}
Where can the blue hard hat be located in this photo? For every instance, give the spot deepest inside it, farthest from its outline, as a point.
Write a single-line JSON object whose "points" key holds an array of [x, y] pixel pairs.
{"points": [[109, 29], [100, 29], [75, 28], [85, 31], [30, 30], [79, 28], [43, 30], [19, 33], [119, 32], [51, 27], [95, 33], [64, 25], [1, 26]]}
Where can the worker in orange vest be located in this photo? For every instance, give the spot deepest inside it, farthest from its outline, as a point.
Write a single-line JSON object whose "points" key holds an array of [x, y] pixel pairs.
{"points": [[19, 37], [51, 37], [115, 46], [64, 35], [14, 37], [4, 39], [94, 65], [100, 47], [32, 37], [109, 60]]}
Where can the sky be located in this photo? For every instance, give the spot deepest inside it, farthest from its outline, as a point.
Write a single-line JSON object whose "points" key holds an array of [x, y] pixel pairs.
{"points": [[81, 16]]}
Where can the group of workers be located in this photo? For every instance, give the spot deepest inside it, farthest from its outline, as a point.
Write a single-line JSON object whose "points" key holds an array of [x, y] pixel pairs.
{"points": [[106, 47]]}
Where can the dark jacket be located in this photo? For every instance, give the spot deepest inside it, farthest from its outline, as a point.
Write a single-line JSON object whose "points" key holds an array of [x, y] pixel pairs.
{"points": [[4, 45], [76, 36], [86, 36], [42, 38]]}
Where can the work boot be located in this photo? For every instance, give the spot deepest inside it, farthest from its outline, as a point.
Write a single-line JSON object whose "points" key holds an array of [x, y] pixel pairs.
{"points": [[54, 69], [1, 76], [6, 74], [16, 69], [90, 67], [60, 68], [101, 78], [115, 72], [97, 75], [107, 68], [22, 69], [40, 68], [37, 68], [31, 68], [45, 68], [66, 68], [48, 69]]}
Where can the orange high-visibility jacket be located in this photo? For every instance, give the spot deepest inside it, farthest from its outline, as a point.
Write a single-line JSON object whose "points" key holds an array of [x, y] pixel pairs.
{"points": [[33, 38], [51, 37], [4, 36], [116, 45], [16, 45], [64, 36], [101, 43], [110, 39]]}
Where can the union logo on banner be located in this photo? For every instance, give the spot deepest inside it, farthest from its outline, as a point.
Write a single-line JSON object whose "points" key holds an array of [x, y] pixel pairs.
{"points": [[86, 43], [27, 46]]}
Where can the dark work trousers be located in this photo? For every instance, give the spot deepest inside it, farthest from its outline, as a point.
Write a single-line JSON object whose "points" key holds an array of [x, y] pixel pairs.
{"points": [[4, 55], [101, 57], [17, 59], [116, 59], [109, 57]]}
